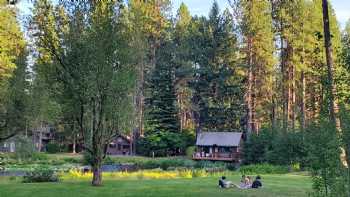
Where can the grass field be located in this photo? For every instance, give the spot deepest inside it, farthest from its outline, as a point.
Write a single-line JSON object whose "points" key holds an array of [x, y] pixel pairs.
{"points": [[287, 185]]}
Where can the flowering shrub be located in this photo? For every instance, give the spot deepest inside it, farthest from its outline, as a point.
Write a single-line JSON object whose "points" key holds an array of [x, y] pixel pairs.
{"points": [[146, 174]]}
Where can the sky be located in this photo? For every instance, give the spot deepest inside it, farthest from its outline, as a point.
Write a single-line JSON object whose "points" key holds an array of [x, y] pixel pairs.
{"points": [[202, 7]]}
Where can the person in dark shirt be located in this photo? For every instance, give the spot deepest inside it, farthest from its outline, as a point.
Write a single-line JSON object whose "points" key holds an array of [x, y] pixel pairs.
{"points": [[223, 183], [257, 183]]}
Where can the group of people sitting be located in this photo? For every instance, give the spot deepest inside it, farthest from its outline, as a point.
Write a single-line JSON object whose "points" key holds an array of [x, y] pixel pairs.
{"points": [[246, 183]]}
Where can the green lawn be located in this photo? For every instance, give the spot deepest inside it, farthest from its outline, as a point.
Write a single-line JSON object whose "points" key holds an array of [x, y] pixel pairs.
{"points": [[274, 185]]}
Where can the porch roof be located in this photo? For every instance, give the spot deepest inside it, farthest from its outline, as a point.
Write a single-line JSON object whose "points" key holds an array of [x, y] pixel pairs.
{"points": [[219, 139]]}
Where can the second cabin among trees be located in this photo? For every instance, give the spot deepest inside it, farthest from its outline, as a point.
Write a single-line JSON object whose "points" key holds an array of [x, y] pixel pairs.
{"points": [[219, 146]]}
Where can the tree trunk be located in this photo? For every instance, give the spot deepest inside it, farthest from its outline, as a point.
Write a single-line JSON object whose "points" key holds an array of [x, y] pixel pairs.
{"points": [[333, 107], [140, 98], [249, 89], [40, 136], [97, 144], [284, 87], [97, 173], [284, 80], [26, 129], [255, 126], [293, 98], [273, 112], [181, 114], [74, 144], [302, 101]]}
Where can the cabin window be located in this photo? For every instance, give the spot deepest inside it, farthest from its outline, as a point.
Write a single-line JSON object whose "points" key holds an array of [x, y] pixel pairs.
{"points": [[126, 146], [112, 145]]}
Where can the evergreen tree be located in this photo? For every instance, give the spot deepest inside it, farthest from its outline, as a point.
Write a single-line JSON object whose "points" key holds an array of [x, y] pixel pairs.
{"points": [[217, 84], [183, 65], [343, 88], [149, 21], [162, 115], [255, 24], [162, 136]]}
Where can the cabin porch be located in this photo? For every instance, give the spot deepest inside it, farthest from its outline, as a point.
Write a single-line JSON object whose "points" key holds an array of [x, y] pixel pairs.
{"points": [[217, 153]]}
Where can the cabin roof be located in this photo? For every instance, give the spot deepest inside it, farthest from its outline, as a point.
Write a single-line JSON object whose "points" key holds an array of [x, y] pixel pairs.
{"points": [[124, 137], [219, 138]]}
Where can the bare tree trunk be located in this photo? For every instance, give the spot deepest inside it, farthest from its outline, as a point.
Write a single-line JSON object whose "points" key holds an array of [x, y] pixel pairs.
{"points": [[293, 98], [255, 126], [302, 101], [141, 99], [74, 144], [333, 106], [249, 89], [40, 136], [181, 114], [273, 112], [26, 129], [284, 87]]}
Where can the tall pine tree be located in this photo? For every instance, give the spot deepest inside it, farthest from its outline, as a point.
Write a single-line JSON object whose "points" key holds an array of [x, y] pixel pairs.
{"points": [[217, 83]]}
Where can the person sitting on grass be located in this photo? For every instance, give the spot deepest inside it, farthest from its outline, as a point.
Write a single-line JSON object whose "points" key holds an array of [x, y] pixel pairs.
{"points": [[249, 182], [257, 183], [223, 183], [245, 183]]}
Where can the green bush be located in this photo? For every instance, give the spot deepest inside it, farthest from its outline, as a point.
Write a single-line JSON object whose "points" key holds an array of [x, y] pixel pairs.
{"points": [[87, 159], [189, 151], [275, 147], [162, 144], [108, 160], [151, 164], [187, 163], [72, 160], [263, 169], [210, 164], [52, 148], [41, 175], [25, 149], [165, 164], [39, 157]]}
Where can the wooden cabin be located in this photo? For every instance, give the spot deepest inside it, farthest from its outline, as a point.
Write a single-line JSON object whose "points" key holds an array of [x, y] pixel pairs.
{"points": [[43, 136], [218, 146], [9, 145], [120, 145]]}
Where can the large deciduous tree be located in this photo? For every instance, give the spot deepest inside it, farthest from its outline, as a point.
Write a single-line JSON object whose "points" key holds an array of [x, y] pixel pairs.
{"points": [[82, 43], [12, 73]]}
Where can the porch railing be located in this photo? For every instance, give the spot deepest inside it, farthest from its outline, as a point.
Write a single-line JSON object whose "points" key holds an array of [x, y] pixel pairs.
{"points": [[216, 156]]}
